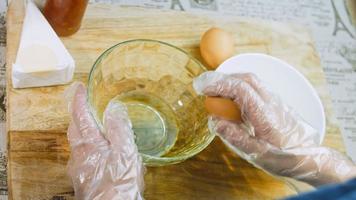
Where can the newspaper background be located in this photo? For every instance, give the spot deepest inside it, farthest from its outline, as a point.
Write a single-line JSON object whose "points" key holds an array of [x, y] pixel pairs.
{"points": [[332, 23], [3, 175]]}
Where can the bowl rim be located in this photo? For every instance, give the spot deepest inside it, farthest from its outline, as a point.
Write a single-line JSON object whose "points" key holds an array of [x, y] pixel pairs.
{"points": [[167, 160]]}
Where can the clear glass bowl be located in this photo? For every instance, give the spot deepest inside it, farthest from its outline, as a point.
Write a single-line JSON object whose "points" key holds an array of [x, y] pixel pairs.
{"points": [[154, 80]]}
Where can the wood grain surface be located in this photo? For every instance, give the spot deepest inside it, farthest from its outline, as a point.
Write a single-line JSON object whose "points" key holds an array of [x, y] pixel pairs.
{"points": [[37, 118]]}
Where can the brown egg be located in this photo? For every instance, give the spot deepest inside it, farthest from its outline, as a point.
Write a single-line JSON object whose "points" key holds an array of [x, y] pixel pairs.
{"points": [[216, 46], [224, 108]]}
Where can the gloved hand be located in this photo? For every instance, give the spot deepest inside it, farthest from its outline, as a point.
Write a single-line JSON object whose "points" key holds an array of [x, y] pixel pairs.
{"points": [[272, 136], [103, 168]]}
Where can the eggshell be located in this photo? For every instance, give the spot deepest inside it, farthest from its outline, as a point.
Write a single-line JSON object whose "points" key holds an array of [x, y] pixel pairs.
{"points": [[216, 46], [224, 108]]}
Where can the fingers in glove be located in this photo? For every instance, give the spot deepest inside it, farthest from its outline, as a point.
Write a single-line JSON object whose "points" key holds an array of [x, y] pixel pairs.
{"points": [[255, 83], [238, 136], [74, 136], [217, 84], [207, 79], [118, 126], [121, 137], [83, 135], [254, 108], [82, 116], [258, 107], [250, 102]]}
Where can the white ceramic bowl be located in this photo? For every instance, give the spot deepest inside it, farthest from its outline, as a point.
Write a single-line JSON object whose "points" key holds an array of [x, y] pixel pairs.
{"points": [[283, 80]]}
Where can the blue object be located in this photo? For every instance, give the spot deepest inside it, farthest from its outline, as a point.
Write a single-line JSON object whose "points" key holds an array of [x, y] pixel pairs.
{"points": [[343, 191]]}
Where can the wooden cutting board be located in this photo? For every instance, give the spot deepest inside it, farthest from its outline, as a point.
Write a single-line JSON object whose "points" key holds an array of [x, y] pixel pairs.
{"points": [[37, 119]]}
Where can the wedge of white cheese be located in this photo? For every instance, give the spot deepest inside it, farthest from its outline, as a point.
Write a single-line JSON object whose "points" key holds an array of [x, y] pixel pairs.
{"points": [[42, 59]]}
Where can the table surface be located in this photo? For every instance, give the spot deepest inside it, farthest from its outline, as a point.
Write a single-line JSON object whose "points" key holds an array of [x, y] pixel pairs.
{"points": [[37, 118]]}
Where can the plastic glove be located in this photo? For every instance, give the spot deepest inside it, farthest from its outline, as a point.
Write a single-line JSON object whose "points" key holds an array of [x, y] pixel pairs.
{"points": [[272, 136], [103, 168]]}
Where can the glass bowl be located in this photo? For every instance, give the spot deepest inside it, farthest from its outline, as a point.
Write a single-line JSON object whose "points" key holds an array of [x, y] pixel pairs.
{"points": [[154, 80]]}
